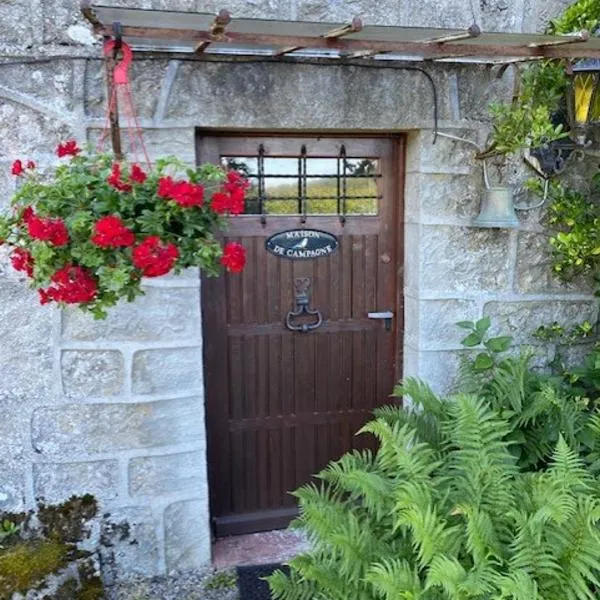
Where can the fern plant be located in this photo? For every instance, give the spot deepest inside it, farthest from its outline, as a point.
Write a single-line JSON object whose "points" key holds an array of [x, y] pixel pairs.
{"points": [[443, 512], [539, 406]]}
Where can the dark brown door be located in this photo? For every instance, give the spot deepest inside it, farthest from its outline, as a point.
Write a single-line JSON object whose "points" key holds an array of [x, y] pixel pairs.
{"points": [[280, 403]]}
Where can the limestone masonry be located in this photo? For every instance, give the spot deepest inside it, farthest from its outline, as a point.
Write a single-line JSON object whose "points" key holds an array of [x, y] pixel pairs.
{"points": [[116, 408]]}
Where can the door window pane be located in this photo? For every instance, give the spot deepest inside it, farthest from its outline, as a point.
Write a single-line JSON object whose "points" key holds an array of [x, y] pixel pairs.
{"points": [[309, 185]]}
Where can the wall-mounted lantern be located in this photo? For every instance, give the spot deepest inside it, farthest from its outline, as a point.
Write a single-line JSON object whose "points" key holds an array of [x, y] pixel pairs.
{"points": [[583, 99], [582, 115]]}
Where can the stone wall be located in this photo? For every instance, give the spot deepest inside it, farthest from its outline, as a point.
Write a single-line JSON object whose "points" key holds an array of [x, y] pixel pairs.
{"points": [[115, 408]]}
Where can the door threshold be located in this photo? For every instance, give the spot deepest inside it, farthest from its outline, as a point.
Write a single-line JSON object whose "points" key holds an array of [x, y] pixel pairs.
{"points": [[263, 548]]}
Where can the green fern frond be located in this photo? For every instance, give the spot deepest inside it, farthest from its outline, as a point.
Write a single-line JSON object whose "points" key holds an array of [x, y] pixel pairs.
{"points": [[395, 579]]}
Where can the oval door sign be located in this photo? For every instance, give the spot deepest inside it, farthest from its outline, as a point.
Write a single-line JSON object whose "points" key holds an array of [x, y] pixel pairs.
{"points": [[302, 244]]}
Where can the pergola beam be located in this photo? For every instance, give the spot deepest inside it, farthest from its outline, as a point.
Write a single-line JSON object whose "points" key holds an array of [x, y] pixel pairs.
{"points": [[473, 32], [217, 31], [339, 32], [443, 47], [582, 36]]}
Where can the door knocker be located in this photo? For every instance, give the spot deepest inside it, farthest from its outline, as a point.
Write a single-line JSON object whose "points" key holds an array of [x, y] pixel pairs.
{"points": [[302, 286]]}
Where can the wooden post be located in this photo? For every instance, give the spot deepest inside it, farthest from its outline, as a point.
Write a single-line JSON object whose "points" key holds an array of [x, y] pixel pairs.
{"points": [[115, 130]]}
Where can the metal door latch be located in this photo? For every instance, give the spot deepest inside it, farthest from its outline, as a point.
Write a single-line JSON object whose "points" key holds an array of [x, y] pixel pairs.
{"points": [[387, 317], [302, 286]]}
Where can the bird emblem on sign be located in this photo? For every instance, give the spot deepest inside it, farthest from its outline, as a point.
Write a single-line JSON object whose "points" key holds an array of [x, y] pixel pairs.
{"points": [[300, 245]]}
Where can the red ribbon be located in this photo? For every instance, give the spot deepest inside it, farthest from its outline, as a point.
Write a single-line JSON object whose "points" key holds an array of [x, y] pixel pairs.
{"points": [[122, 84]]}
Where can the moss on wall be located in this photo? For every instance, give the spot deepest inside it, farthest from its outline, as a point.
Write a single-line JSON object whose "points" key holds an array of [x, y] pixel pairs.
{"points": [[26, 563], [29, 556]]}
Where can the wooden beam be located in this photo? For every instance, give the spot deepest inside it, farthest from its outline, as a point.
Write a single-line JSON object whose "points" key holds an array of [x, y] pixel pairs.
{"points": [[286, 51], [362, 54], [472, 32], [582, 36], [217, 31], [339, 32], [353, 45], [88, 12]]}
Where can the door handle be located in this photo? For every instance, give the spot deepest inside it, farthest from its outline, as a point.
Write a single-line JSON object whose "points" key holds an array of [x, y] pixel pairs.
{"points": [[386, 316]]}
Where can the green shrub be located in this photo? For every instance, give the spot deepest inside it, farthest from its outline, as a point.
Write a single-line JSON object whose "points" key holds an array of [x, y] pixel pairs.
{"points": [[443, 512]]}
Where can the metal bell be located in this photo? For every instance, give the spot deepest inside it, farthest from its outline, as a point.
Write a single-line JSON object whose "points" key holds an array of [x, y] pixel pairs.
{"points": [[497, 209]]}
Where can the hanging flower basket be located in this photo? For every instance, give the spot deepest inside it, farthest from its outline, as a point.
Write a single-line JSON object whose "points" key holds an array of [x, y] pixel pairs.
{"points": [[89, 234]]}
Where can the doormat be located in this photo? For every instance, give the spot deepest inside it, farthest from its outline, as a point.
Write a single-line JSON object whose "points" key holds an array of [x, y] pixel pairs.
{"points": [[251, 583]]}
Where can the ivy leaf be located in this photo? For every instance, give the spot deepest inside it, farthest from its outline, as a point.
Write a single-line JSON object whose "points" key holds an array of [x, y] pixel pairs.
{"points": [[498, 344], [483, 362]]}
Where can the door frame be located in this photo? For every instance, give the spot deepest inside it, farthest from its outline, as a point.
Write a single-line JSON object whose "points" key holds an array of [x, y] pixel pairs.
{"points": [[399, 144]]}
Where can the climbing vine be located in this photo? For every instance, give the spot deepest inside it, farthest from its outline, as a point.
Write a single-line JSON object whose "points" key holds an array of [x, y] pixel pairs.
{"points": [[536, 116]]}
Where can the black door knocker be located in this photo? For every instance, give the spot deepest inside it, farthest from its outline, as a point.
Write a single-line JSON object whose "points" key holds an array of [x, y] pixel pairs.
{"points": [[302, 286]]}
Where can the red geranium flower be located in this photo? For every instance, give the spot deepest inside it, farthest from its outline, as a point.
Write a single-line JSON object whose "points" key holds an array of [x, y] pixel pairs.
{"points": [[182, 192], [69, 148], [22, 260], [27, 214], [137, 175], [234, 257], [30, 164], [220, 203], [235, 181], [154, 257], [71, 284], [17, 168], [231, 200], [110, 232], [114, 179], [53, 231]]}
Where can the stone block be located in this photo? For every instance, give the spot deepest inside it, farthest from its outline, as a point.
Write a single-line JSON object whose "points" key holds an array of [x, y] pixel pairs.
{"points": [[162, 314], [539, 12], [187, 535], [146, 82], [522, 319], [346, 97], [92, 373], [534, 267], [246, 9], [25, 329], [501, 15], [449, 154], [15, 22], [57, 482], [12, 486], [431, 324], [92, 428], [438, 369], [167, 370], [31, 131], [160, 143], [7, 186], [128, 544], [478, 86], [49, 83], [440, 196], [171, 474], [463, 259]]}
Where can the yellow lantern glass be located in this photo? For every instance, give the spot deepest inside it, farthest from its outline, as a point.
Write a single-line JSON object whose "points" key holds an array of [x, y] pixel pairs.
{"points": [[586, 98]]}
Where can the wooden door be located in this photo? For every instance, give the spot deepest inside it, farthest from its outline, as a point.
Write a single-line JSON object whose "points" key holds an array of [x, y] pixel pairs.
{"points": [[281, 404]]}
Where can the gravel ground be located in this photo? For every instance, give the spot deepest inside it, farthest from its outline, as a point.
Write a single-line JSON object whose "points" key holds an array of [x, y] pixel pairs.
{"points": [[216, 585]]}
